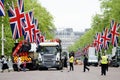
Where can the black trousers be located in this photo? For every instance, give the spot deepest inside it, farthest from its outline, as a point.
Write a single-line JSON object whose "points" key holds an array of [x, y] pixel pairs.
{"points": [[71, 67], [103, 69], [85, 67]]}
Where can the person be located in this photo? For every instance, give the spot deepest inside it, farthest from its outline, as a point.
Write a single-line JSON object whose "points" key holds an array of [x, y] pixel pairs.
{"points": [[72, 54], [76, 61], [19, 63], [24, 66], [104, 62], [85, 63], [71, 61], [4, 63]]}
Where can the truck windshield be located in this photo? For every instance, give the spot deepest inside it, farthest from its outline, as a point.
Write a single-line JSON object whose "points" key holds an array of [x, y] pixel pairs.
{"points": [[93, 58], [49, 50]]}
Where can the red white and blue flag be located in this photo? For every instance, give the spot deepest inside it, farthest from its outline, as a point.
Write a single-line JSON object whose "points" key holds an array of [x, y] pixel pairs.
{"points": [[105, 38], [2, 11], [98, 42], [42, 38], [114, 33], [16, 20], [36, 33], [85, 50], [29, 27]]}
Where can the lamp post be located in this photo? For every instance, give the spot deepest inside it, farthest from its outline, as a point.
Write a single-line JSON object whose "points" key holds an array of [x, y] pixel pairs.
{"points": [[2, 37]]}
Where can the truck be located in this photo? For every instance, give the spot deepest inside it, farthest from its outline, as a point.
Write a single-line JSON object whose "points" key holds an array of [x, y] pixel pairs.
{"points": [[23, 50], [50, 54], [115, 58], [92, 57]]}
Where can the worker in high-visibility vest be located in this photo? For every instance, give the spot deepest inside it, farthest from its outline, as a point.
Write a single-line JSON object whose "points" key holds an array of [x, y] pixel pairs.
{"points": [[71, 61], [104, 62]]}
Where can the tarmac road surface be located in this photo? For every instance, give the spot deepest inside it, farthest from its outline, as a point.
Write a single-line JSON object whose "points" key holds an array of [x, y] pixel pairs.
{"points": [[53, 74]]}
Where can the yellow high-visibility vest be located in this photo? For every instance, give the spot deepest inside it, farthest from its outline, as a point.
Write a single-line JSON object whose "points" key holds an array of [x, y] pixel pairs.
{"points": [[71, 59], [104, 60]]}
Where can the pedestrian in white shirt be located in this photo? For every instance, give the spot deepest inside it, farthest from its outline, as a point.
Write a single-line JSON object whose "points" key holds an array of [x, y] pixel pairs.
{"points": [[19, 63], [4, 63]]}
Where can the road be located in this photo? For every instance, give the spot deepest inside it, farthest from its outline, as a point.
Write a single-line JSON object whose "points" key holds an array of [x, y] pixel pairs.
{"points": [[52, 74]]}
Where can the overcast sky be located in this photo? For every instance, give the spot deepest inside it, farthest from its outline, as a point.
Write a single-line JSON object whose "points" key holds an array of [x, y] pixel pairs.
{"points": [[76, 14]]}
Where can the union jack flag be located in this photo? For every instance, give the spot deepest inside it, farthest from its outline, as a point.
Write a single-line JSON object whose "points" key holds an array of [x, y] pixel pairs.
{"points": [[98, 42], [36, 33], [29, 27], [105, 38], [42, 38], [84, 50], [16, 20], [114, 33], [94, 43], [2, 12]]}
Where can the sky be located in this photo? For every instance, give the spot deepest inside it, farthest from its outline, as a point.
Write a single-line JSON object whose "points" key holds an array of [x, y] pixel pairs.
{"points": [[76, 14]]}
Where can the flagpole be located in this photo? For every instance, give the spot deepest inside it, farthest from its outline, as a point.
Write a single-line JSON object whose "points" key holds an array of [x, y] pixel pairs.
{"points": [[2, 37]]}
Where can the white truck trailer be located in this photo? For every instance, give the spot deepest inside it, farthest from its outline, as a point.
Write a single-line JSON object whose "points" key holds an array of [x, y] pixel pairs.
{"points": [[92, 57]]}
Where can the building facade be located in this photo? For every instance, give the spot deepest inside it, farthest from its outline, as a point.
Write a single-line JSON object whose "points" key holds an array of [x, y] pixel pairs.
{"points": [[68, 37]]}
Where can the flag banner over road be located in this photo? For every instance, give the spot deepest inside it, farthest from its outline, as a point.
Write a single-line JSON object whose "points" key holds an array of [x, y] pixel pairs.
{"points": [[2, 12]]}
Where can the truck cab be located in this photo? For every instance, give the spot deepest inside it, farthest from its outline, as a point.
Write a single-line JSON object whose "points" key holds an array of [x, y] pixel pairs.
{"points": [[49, 55]]}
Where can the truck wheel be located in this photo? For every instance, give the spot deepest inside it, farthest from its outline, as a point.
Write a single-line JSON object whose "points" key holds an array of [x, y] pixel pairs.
{"points": [[96, 64], [59, 68], [116, 65], [40, 69]]}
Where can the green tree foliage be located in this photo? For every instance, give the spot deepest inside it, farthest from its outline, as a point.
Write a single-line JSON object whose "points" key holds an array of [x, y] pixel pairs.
{"points": [[45, 20], [44, 17], [110, 11]]}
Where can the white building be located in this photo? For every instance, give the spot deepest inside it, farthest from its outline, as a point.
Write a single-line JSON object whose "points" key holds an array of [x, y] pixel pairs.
{"points": [[67, 36]]}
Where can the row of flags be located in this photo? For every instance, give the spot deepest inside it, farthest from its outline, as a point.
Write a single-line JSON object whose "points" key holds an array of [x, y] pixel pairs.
{"points": [[22, 24], [103, 39]]}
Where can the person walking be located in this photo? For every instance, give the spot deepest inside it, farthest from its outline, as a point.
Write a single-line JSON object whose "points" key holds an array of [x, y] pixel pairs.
{"points": [[85, 63], [104, 62], [4, 63], [19, 63], [71, 61], [24, 66]]}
